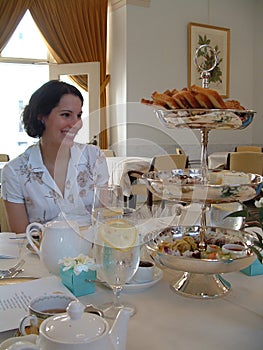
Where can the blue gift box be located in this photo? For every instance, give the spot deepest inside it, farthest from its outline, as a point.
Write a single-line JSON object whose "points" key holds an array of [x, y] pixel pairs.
{"points": [[254, 269], [77, 284]]}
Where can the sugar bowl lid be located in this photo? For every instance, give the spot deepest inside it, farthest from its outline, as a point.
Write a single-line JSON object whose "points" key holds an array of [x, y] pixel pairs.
{"points": [[74, 327]]}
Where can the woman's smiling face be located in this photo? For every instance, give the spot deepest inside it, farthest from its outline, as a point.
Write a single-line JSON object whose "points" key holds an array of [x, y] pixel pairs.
{"points": [[64, 121]]}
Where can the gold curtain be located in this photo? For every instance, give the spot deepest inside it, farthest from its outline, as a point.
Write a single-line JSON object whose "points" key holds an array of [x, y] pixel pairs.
{"points": [[11, 13], [76, 31]]}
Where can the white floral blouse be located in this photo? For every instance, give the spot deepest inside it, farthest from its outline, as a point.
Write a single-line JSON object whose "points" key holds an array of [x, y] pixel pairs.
{"points": [[25, 179]]}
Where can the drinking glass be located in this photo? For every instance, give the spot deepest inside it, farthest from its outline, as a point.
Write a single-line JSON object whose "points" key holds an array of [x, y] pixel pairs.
{"points": [[116, 244], [108, 202]]}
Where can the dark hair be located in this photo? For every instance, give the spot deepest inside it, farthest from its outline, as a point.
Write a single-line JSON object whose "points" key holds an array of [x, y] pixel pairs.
{"points": [[42, 102]]}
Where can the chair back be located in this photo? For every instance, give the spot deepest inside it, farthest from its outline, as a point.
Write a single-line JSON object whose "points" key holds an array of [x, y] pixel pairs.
{"points": [[168, 162], [108, 152], [4, 225], [138, 188], [248, 162], [4, 157], [248, 149]]}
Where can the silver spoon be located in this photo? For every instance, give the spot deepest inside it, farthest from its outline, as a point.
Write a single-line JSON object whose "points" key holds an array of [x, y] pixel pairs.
{"points": [[16, 273]]}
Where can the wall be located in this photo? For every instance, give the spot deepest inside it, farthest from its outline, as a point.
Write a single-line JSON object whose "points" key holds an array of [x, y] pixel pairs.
{"points": [[118, 83], [156, 46], [258, 73]]}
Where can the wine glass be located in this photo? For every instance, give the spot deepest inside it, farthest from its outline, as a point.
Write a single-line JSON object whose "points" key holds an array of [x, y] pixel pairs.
{"points": [[116, 244]]}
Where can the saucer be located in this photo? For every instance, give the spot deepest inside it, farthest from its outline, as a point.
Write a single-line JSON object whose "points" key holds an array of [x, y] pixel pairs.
{"points": [[139, 287]]}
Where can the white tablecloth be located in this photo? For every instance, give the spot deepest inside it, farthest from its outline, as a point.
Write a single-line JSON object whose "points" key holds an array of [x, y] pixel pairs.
{"points": [[217, 159], [165, 320], [120, 166]]}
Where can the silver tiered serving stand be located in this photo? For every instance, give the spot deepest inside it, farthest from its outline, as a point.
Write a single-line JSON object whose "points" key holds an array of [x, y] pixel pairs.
{"points": [[201, 278]]}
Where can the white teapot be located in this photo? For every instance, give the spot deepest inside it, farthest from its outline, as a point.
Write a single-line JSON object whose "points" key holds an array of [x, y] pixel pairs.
{"points": [[59, 239], [77, 330]]}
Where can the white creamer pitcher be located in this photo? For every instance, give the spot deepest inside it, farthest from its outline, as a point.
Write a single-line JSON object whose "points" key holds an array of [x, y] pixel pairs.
{"points": [[60, 239]]}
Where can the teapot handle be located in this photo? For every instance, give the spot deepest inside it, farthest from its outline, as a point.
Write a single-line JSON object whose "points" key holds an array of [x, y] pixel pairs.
{"points": [[34, 227], [24, 322]]}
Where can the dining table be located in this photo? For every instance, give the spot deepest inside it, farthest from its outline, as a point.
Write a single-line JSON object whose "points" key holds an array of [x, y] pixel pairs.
{"points": [[167, 320]]}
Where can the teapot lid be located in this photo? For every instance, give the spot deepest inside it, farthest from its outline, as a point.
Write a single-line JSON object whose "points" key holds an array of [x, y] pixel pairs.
{"points": [[75, 327]]}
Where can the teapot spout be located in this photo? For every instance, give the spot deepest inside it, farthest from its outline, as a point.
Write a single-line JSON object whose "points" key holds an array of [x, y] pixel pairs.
{"points": [[118, 332]]}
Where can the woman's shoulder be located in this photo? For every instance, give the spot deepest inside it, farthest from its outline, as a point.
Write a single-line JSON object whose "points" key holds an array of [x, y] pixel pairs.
{"points": [[21, 161], [21, 158]]}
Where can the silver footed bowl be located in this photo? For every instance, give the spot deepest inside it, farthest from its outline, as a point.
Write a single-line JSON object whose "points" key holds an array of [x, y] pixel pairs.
{"points": [[225, 119], [170, 248], [188, 185]]}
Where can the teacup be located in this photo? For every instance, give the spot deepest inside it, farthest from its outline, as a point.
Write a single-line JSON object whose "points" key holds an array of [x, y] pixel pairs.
{"points": [[235, 250], [25, 345], [43, 307], [145, 272]]}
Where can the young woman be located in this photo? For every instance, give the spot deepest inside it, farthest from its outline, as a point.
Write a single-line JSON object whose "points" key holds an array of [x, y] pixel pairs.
{"points": [[55, 174]]}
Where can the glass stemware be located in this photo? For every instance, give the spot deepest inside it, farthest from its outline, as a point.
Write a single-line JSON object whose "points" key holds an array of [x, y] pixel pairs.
{"points": [[116, 244]]}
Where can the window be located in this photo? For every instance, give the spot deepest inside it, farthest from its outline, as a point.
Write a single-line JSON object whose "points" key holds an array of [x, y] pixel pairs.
{"points": [[19, 78], [24, 67], [26, 41]]}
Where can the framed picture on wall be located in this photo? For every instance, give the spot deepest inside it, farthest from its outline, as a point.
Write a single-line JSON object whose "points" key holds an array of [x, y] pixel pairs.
{"points": [[218, 39]]}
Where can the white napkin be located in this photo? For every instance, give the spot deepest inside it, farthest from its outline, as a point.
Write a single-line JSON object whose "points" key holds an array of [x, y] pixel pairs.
{"points": [[8, 247]]}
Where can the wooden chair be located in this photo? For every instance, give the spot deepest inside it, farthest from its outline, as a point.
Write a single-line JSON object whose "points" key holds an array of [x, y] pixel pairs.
{"points": [[4, 226], [248, 162], [248, 149], [4, 157], [179, 150], [138, 188], [169, 162], [108, 152]]}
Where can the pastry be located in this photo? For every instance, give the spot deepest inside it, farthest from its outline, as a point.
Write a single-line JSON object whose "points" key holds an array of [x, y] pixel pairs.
{"points": [[185, 99], [213, 96], [195, 97], [234, 104], [204, 101], [163, 98]]}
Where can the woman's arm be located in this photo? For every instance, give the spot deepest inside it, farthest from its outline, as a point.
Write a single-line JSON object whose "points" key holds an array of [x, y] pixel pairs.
{"points": [[17, 216]]}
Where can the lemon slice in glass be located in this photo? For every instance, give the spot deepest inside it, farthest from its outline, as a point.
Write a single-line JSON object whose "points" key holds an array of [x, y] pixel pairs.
{"points": [[119, 234]]}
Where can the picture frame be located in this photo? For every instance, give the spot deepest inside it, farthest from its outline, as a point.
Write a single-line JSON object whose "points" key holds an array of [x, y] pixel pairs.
{"points": [[218, 38]]}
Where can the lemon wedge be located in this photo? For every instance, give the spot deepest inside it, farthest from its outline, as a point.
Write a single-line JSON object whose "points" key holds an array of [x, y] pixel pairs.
{"points": [[119, 234]]}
